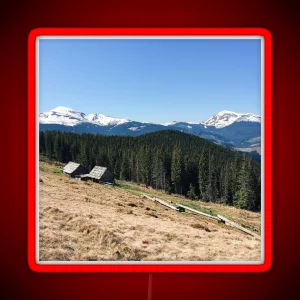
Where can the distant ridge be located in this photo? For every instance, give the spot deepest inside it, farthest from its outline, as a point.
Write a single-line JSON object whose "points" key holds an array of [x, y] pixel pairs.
{"points": [[237, 131]]}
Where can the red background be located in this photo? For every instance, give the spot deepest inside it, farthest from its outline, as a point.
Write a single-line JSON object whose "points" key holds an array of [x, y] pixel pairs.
{"points": [[267, 149], [18, 281]]}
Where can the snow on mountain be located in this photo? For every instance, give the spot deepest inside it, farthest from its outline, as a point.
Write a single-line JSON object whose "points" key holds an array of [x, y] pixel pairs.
{"points": [[240, 135], [222, 119], [225, 118], [105, 120], [69, 117], [133, 128], [62, 115], [170, 123]]}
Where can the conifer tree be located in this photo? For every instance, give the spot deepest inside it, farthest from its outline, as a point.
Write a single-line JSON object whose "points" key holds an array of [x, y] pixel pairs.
{"points": [[191, 193], [74, 151], [58, 147], [137, 167], [203, 176], [176, 170], [42, 143], [225, 184], [211, 191], [84, 154], [146, 165], [66, 152], [158, 174], [124, 171], [49, 143], [244, 196], [131, 168]]}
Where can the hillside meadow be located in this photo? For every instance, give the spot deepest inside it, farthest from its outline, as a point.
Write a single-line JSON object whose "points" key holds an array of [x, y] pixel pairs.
{"points": [[85, 221]]}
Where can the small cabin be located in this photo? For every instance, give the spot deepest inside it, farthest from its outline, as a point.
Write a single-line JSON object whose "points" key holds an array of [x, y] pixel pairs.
{"points": [[72, 169], [83, 177], [101, 175]]}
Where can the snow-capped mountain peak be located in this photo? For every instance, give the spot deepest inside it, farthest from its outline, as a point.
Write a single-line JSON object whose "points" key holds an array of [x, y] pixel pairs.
{"points": [[62, 115], [67, 116], [70, 120], [63, 109], [226, 117], [104, 120]]}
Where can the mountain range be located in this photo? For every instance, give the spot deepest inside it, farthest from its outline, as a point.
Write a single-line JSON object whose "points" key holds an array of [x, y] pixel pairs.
{"points": [[237, 131]]}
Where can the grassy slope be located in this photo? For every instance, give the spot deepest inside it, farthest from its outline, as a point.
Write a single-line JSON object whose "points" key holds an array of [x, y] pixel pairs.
{"points": [[232, 213], [88, 221]]}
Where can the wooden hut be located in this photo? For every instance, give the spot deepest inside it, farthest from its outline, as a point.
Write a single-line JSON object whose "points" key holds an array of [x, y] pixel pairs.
{"points": [[101, 175], [83, 177], [72, 169]]}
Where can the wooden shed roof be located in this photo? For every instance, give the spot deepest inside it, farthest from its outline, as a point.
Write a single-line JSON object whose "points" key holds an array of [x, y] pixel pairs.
{"points": [[71, 167], [97, 172]]}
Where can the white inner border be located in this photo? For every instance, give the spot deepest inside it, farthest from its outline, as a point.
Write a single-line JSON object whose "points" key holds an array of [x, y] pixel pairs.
{"points": [[128, 37]]}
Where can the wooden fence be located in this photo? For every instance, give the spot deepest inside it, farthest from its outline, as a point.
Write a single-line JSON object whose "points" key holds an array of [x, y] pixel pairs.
{"points": [[219, 218]]}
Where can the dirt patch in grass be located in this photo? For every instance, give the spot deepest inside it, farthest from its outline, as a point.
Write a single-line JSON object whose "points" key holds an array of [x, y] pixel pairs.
{"points": [[200, 226]]}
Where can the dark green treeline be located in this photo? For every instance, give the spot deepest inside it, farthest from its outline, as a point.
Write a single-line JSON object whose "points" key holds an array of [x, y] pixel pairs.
{"points": [[170, 160]]}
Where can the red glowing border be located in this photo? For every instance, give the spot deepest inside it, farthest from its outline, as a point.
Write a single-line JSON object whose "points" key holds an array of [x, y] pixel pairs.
{"points": [[32, 231]]}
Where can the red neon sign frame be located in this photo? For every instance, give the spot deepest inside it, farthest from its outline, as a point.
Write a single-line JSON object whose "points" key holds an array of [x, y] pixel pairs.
{"points": [[32, 230]]}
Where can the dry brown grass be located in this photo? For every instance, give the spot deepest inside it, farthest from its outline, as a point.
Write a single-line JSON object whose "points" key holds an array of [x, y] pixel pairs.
{"points": [[84, 221]]}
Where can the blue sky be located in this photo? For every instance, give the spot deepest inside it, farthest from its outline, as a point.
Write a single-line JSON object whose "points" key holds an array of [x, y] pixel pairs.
{"points": [[151, 80]]}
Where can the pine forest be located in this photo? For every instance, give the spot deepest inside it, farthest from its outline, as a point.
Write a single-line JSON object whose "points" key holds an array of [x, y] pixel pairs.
{"points": [[170, 160]]}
